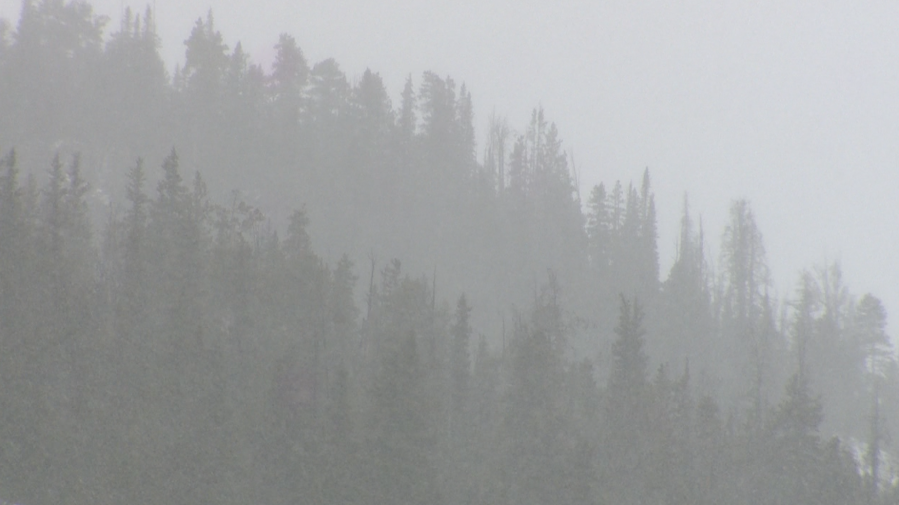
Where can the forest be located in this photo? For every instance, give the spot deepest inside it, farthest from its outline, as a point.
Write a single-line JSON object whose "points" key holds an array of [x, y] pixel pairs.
{"points": [[230, 284]]}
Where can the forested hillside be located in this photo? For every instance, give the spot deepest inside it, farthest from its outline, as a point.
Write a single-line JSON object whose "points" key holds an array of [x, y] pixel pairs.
{"points": [[231, 284]]}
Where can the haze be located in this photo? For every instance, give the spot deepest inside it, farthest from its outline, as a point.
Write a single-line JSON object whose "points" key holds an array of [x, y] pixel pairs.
{"points": [[344, 252], [790, 105]]}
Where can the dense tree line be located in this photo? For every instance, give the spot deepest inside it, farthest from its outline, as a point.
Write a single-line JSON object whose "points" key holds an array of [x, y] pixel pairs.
{"points": [[165, 341]]}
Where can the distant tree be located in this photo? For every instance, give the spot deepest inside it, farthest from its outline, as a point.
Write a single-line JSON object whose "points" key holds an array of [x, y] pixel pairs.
{"points": [[244, 101], [298, 243], [134, 85], [709, 452], [407, 121], [598, 230], [533, 422], [461, 358], [437, 103], [402, 445], [629, 370], [22, 458], [14, 249], [624, 454], [324, 146], [344, 315], [205, 60], [626, 251], [671, 468], [135, 231], [795, 451], [870, 331], [542, 210], [648, 280], [179, 345], [290, 73], [328, 94], [747, 311], [495, 153], [286, 86], [466, 139], [205, 66], [53, 67], [371, 180], [835, 357], [869, 326], [806, 307], [685, 304]]}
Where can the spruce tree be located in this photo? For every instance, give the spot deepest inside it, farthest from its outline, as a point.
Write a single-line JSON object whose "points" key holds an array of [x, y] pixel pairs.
{"points": [[625, 452]]}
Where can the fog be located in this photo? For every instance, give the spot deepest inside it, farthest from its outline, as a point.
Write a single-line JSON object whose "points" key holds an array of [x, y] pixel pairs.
{"points": [[790, 106], [475, 252]]}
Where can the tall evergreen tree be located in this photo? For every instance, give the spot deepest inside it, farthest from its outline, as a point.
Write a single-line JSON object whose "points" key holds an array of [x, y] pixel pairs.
{"points": [[403, 461], [203, 74], [290, 76], [685, 304], [747, 308], [134, 85], [533, 423], [624, 453], [599, 230], [461, 358]]}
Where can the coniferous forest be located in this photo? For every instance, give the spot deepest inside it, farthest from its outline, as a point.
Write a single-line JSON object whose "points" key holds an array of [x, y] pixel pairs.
{"points": [[228, 284]]}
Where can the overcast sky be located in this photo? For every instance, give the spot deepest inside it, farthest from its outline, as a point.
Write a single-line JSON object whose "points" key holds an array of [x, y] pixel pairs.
{"points": [[792, 105]]}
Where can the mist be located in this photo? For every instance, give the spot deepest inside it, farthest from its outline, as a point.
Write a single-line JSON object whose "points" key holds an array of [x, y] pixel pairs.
{"points": [[237, 273]]}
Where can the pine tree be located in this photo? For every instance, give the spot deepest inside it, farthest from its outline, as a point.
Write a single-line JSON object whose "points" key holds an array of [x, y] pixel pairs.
{"points": [[870, 330], [625, 452], [14, 250], [795, 451], [205, 66], [134, 254], [685, 304], [628, 376], [437, 103], [461, 360], [869, 327], [344, 315], [495, 152], [709, 450], [371, 182], [466, 140], [533, 422], [648, 248], [599, 230], [407, 122], [617, 208], [402, 441], [747, 308], [290, 73], [290, 76], [53, 65], [22, 458], [134, 84], [205, 60]]}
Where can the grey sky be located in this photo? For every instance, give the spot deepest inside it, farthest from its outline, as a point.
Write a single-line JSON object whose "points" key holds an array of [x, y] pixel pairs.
{"points": [[793, 105]]}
